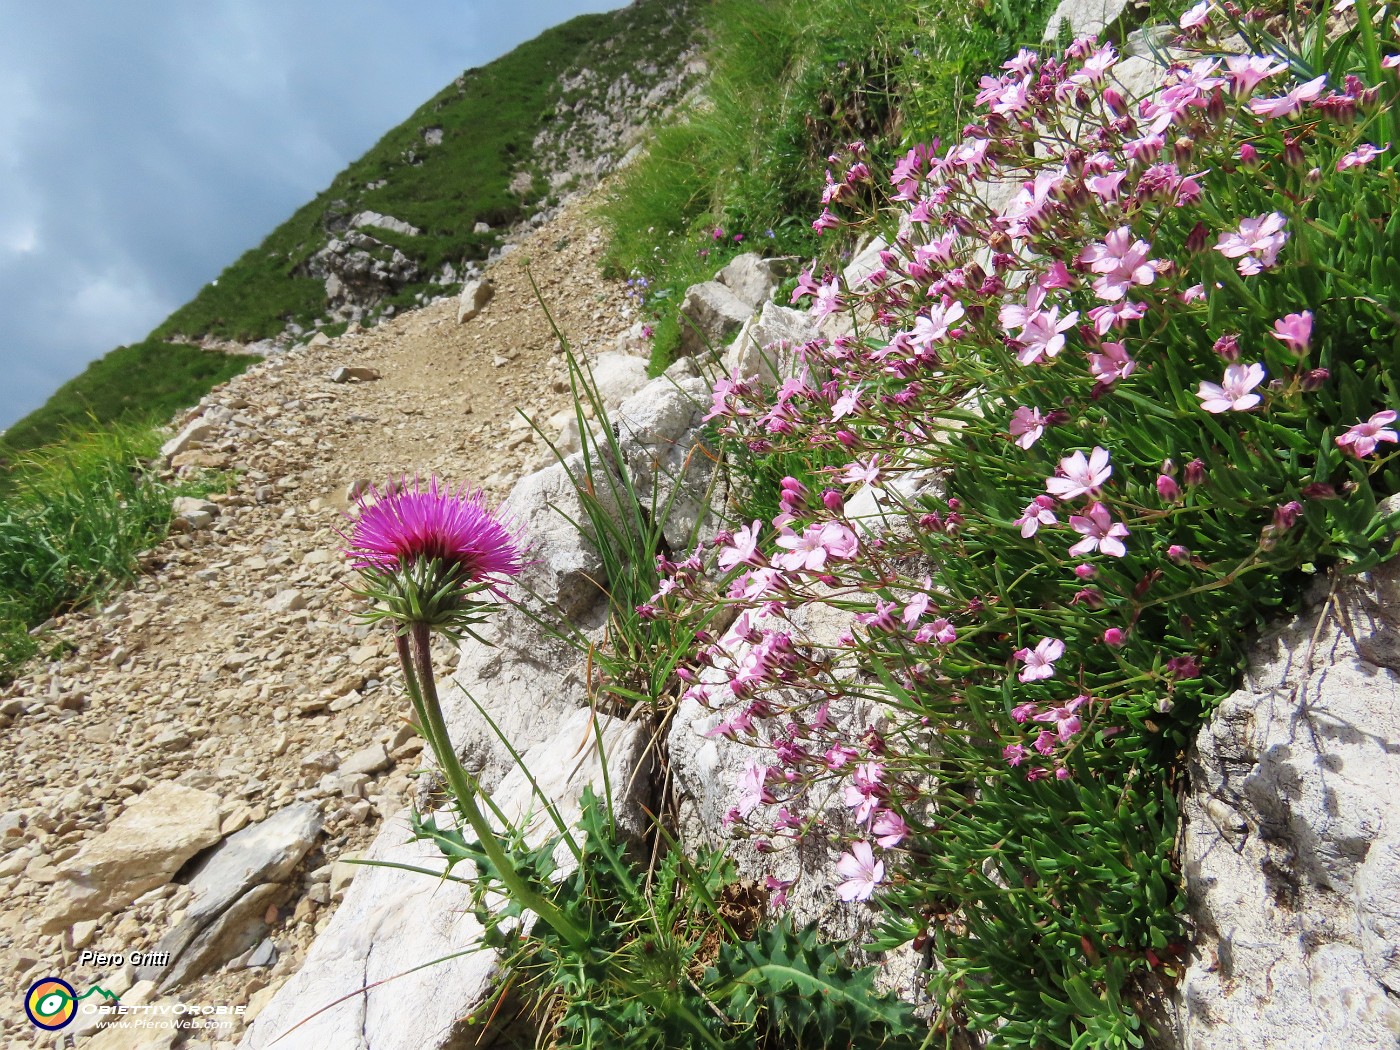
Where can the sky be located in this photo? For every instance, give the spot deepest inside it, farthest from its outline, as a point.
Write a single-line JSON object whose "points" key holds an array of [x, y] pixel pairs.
{"points": [[145, 145]]}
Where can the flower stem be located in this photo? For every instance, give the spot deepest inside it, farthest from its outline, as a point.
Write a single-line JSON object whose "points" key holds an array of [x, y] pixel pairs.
{"points": [[416, 659]]}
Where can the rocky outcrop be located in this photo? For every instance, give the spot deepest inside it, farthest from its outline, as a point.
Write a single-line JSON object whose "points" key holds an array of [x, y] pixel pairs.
{"points": [[370, 982], [1291, 842], [710, 316], [155, 834], [360, 270]]}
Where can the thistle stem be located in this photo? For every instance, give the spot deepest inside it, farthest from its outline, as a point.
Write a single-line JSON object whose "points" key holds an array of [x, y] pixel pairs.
{"points": [[416, 658]]}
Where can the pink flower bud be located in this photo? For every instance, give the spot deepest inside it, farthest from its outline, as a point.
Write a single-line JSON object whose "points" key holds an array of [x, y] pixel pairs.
{"points": [[1314, 379], [846, 438], [1167, 488], [833, 501], [1085, 571], [1114, 637], [1249, 156], [1228, 347], [1286, 516], [1195, 472], [1177, 553]]}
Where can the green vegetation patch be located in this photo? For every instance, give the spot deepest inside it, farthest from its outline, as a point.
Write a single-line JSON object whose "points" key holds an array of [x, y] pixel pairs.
{"points": [[141, 384]]}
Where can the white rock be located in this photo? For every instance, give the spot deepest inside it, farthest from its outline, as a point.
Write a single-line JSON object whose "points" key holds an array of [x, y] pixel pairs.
{"points": [[392, 921], [148, 843], [765, 343], [750, 278], [384, 222], [616, 377], [195, 433], [285, 601], [1083, 17], [710, 315], [1291, 845], [475, 295]]}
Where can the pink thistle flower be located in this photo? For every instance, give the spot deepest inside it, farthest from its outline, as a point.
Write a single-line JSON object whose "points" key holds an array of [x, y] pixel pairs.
{"points": [[1234, 392], [1079, 476], [1361, 440], [1040, 661], [1100, 533], [861, 871], [405, 526], [1295, 331]]}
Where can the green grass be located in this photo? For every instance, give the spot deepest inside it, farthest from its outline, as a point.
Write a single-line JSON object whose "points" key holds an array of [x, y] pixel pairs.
{"points": [[72, 522], [489, 117], [791, 83], [141, 384]]}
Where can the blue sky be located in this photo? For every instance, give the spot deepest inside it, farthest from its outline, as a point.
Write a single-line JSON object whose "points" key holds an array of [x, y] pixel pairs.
{"points": [[145, 145]]}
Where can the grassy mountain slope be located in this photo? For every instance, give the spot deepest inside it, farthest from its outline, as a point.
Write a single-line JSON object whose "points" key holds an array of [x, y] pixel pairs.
{"points": [[488, 118]]}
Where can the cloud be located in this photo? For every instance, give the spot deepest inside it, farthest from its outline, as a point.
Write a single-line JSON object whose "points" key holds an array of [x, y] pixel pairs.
{"points": [[143, 147]]}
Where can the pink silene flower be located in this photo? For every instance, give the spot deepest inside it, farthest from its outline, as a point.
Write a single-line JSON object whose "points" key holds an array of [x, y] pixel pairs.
{"points": [[1361, 440], [406, 525], [1096, 66], [1040, 661], [934, 328], [1288, 104], [1027, 425], [1111, 364], [1115, 315], [1023, 63], [1360, 157], [1101, 533], [940, 630], [844, 405], [865, 791], [1247, 71], [1196, 16], [1256, 243], [777, 892], [1295, 331], [1066, 721], [744, 548], [826, 299], [1121, 261], [1058, 276], [1105, 187], [839, 541], [1079, 476], [753, 789], [861, 871], [1038, 512], [889, 829], [1042, 335], [1014, 754], [867, 472], [1235, 391], [1021, 712], [915, 608]]}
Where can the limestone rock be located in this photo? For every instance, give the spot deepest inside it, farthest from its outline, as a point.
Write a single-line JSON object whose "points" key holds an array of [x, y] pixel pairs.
{"points": [[232, 890], [146, 845], [353, 374], [1291, 844], [475, 295], [659, 436], [710, 316], [384, 222], [195, 433], [764, 343], [617, 377], [750, 278], [195, 513], [392, 921], [1083, 17]]}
